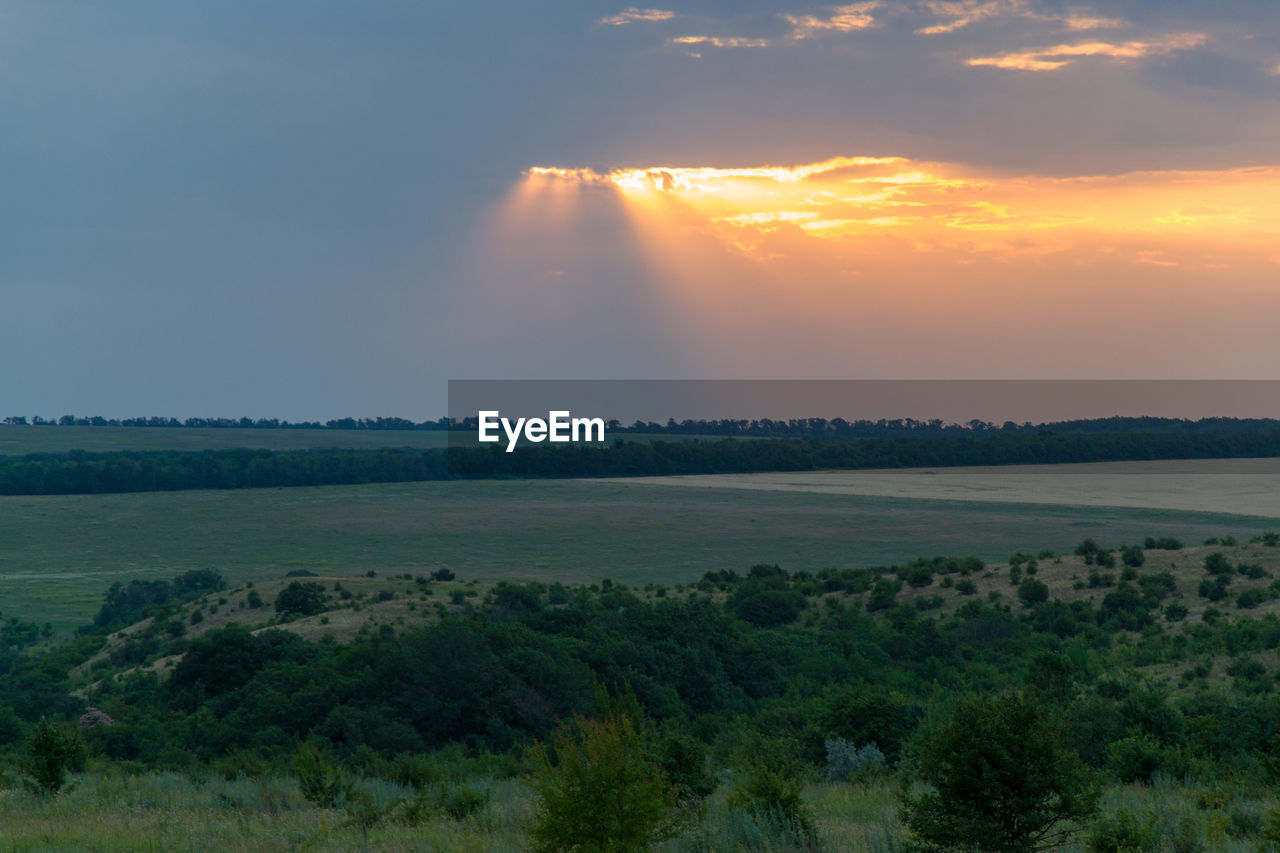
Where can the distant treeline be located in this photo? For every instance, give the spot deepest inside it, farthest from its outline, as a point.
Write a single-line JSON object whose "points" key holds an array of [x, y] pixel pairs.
{"points": [[79, 472], [728, 427]]}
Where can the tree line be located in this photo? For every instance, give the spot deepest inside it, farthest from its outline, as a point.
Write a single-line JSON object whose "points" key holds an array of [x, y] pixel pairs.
{"points": [[80, 472]]}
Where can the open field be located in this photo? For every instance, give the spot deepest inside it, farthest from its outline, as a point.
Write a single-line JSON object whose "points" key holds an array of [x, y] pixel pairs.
{"points": [[58, 554], [1241, 486]]}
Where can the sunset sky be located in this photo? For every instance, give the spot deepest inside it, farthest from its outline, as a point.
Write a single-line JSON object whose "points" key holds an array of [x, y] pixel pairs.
{"points": [[314, 209]]}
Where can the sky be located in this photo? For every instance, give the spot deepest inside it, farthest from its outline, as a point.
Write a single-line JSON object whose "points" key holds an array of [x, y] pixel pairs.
{"points": [[310, 209]]}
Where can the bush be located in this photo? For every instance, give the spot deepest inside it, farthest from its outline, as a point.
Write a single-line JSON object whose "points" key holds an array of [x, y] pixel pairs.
{"points": [[1033, 592], [443, 575], [1217, 564], [1132, 556], [323, 783], [596, 789], [999, 779], [845, 761], [52, 751], [769, 790], [1251, 598], [884, 594], [1125, 832], [966, 587], [300, 599]]}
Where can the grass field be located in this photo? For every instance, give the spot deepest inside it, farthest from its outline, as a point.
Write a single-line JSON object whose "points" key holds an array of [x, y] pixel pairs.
{"points": [[58, 554], [169, 813], [1242, 486]]}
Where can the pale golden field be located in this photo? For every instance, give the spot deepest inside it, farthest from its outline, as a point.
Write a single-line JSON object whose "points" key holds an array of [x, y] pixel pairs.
{"points": [[1238, 486]]}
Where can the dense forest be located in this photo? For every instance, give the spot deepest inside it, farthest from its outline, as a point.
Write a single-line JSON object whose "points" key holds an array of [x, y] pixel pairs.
{"points": [[728, 427], [132, 471]]}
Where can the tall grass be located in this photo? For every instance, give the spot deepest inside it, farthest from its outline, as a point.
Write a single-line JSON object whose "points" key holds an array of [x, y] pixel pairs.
{"points": [[166, 812]]}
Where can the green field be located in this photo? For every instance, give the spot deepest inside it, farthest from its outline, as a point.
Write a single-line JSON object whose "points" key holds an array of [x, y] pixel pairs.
{"points": [[58, 554]]}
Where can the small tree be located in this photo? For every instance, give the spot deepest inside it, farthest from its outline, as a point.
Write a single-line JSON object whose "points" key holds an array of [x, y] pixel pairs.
{"points": [[323, 783], [51, 751], [300, 599], [597, 789], [998, 780]]}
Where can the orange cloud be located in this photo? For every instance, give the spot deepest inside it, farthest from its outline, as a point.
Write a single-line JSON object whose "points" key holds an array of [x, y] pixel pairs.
{"points": [[869, 262], [721, 41], [965, 12], [843, 19], [1062, 55], [933, 205], [962, 13], [634, 15]]}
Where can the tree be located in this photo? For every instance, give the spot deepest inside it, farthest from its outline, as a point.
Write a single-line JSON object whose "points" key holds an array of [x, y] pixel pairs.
{"points": [[999, 780], [300, 599], [1033, 592], [598, 790], [51, 751]]}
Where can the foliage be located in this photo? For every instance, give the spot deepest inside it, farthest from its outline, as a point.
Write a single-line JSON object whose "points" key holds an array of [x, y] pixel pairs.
{"points": [[300, 599], [846, 761], [323, 783], [770, 790], [52, 751], [999, 779], [597, 789]]}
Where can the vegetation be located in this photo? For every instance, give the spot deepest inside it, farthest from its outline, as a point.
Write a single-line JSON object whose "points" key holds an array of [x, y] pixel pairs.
{"points": [[999, 779], [80, 472]]}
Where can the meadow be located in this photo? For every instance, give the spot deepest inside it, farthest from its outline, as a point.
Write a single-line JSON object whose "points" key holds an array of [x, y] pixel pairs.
{"points": [[168, 813], [58, 554]]}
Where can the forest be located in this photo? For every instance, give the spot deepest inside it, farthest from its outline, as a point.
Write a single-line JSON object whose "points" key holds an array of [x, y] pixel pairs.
{"points": [[80, 472]]}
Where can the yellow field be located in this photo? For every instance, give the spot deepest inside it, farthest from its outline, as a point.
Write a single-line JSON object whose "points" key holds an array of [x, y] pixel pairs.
{"points": [[1239, 486]]}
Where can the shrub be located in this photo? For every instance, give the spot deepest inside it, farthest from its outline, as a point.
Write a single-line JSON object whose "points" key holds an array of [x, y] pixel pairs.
{"points": [[323, 783], [1175, 612], [596, 789], [1251, 598], [1125, 832], [966, 587], [1132, 556], [999, 779], [846, 761], [769, 790], [52, 751], [443, 575], [1033, 592], [300, 599], [884, 594], [1217, 564]]}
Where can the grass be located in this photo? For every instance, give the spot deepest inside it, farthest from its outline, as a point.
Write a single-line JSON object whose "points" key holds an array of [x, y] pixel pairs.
{"points": [[169, 812], [58, 554]]}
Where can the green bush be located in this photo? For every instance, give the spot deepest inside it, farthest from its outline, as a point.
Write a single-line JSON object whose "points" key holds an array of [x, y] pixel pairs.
{"points": [[323, 783], [1125, 832], [998, 779], [300, 599], [52, 751], [597, 789]]}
